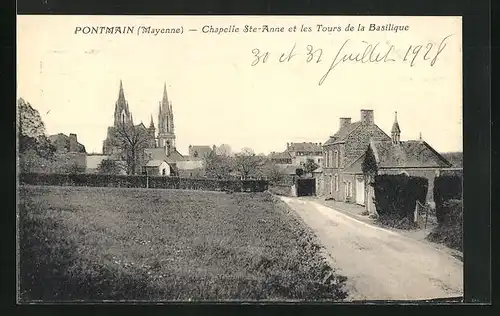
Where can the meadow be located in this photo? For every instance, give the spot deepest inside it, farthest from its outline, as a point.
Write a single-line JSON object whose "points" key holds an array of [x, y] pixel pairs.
{"points": [[95, 244]]}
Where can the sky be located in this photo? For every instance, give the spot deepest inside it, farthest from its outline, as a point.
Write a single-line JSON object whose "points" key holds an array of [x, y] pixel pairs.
{"points": [[219, 97]]}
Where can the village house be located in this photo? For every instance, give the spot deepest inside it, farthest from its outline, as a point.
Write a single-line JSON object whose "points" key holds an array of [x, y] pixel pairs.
{"points": [[281, 159], [297, 154], [301, 152], [199, 151], [69, 153], [411, 157], [157, 168], [342, 177]]}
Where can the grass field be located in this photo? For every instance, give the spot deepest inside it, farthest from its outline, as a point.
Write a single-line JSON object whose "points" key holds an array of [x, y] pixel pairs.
{"points": [[81, 243]]}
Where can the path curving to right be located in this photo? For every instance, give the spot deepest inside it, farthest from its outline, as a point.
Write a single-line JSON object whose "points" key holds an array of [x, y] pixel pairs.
{"points": [[381, 264]]}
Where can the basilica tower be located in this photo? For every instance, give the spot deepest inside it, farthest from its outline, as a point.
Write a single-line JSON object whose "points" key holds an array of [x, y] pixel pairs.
{"points": [[166, 134], [122, 112]]}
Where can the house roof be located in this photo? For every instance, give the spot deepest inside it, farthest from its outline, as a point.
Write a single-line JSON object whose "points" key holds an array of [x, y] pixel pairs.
{"points": [[201, 150], [407, 154], [342, 133], [282, 155], [159, 154], [307, 147], [455, 158], [175, 156], [290, 170], [154, 163]]}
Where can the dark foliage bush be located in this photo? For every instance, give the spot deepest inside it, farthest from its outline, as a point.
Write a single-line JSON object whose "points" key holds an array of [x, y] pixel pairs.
{"points": [[396, 195], [140, 181], [449, 231], [446, 188]]}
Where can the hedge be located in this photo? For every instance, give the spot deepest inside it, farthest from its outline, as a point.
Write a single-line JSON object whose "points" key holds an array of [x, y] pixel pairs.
{"points": [[396, 195], [446, 188], [139, 181], [449, 231]]}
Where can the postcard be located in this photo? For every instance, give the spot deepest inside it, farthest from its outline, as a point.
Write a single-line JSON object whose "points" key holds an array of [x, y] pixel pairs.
{"points": [[239, 158]]}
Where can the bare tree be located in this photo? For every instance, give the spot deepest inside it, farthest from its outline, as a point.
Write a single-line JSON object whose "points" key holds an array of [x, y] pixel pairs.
{"points": [[248, 164], [131, 140], [272, 172], [217, 166], [223, 150]]}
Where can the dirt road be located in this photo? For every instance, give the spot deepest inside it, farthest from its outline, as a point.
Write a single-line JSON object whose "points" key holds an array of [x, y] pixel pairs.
{"points": [[381, 264]]}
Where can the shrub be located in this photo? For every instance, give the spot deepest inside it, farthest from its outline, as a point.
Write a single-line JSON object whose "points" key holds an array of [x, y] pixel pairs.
{"points": [[449, 230], [396, 195], [140, 181], [446, 187]]}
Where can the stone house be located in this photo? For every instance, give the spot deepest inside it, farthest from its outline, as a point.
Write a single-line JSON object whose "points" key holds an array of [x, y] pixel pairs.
{"points": [[69, 154], [318, 176], [342, 177], [157, 168], [301, 152], [64, 143], [412, 157]]}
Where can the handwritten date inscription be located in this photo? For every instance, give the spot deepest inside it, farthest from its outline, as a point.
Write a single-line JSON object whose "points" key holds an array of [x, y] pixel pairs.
{"points": [[370, 53]]}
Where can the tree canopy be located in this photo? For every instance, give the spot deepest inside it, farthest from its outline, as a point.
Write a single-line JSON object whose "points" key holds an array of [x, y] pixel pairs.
{"points": [[35, 150]]}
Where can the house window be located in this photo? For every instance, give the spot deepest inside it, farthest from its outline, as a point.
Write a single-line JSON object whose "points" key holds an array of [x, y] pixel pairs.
{"points": [[336, 179], [330, 163], [326, 159], [163, 172], [336, 159], [348, 189]]}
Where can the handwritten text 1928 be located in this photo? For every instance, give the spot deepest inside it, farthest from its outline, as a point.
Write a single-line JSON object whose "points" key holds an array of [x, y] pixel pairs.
{"points": [[372, 53]]}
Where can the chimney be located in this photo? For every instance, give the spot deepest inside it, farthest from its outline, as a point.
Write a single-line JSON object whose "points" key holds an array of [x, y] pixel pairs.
{"points": [[367, 116], [73, 143], [344, 121]]}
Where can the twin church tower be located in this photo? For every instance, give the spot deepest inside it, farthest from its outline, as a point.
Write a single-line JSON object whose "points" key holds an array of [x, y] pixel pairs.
{"points": [[122, 115]]}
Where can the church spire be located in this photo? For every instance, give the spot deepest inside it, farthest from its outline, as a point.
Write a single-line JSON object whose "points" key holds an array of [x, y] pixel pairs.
{"points": [[122, 112], [121, 95], [165, 97], [151, 124], [395, 131]]}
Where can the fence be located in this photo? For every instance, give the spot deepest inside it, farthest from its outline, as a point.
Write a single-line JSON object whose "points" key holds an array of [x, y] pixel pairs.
{"points": [[421, 214], [142, 181]]}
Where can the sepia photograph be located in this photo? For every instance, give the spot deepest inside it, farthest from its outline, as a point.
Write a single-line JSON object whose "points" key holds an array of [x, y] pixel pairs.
{"points": [[239, 158]]}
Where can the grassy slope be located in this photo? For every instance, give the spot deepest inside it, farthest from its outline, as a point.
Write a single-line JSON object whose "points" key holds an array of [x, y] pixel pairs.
{"points": [[138, 244]]}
